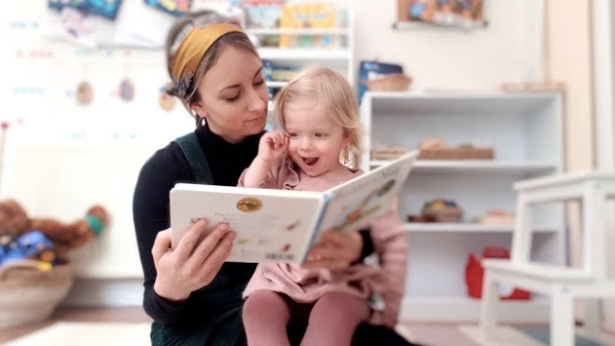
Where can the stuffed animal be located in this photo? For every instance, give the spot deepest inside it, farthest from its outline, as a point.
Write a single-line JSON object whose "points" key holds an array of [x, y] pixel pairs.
{"points": [[13, 218], [64, 236]]}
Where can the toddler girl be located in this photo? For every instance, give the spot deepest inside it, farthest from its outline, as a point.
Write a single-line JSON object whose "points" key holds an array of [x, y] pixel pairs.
{"points": [[318, 113]]}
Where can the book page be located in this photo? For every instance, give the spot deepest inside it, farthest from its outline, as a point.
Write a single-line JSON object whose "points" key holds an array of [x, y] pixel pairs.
{"points": [[271, 225], [356, 203]]}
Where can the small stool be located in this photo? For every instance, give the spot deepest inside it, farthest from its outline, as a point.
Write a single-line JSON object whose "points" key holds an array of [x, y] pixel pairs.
{"points": [[562, 284]]}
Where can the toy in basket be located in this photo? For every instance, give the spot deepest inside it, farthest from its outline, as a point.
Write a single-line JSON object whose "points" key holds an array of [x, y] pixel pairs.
{"points": [[390, 82], [442, 210], [390, 153], [35, 275], [30, 291], [434, 148], [381, 76]]}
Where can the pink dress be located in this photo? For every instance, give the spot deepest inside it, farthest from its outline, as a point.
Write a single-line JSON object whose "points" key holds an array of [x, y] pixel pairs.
{"points": [[306, 285]]}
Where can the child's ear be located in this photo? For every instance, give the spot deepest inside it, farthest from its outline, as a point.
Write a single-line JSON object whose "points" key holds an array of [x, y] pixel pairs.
{"points": [[346, 138]]}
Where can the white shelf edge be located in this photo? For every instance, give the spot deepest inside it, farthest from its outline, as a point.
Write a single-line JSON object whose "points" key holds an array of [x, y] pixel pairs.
{"points": [[495, 94], [462, 309], [455, 23], [435, 227], [304, 53], [290, 31], [475, 165]]}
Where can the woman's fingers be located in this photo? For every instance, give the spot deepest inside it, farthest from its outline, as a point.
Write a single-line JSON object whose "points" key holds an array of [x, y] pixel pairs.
{"points": [[195, 261], [335, 251], [329, 253], [217, 257], [189, 240], [206, 246], [162, 244], [334, 238]]}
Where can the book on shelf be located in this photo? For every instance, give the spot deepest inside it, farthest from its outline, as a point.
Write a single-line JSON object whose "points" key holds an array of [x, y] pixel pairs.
{"points": [[282, 225], [308, 16]]}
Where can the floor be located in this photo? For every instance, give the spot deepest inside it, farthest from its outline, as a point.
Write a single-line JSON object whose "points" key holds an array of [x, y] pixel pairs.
{"points": [[78, 315], [428, 334], [431, 334]]}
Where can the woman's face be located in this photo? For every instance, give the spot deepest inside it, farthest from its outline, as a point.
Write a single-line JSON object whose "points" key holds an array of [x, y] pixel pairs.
{"points": [[233, 95]]}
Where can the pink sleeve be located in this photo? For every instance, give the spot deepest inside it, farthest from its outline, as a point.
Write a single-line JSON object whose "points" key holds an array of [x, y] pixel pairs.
{"points": [[275, 178], [391, 246]]}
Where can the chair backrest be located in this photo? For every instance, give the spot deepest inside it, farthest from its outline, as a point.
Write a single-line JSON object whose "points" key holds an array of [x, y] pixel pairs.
{"points": [[595, 191]]}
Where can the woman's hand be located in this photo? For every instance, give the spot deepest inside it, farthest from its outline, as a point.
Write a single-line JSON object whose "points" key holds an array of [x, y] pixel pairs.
{"points": [[335, 251], [194, 262]]}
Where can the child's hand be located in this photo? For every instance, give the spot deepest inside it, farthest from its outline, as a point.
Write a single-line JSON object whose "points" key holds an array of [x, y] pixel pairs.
{"points": [[272, 146]]}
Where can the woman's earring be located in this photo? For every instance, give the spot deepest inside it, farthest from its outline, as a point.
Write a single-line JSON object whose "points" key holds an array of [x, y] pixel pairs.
{"points": [[203, 121]]}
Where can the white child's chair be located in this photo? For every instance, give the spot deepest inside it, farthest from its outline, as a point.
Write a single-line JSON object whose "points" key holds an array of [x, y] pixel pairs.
{"points": [[562, 284]]}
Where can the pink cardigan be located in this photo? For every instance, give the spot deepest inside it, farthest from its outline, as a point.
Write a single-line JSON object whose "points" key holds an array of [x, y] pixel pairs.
{"points": [[306, 286]]}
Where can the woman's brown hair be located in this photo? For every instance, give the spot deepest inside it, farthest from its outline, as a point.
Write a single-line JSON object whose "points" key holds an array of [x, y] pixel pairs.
{"points": [[187, 89]]}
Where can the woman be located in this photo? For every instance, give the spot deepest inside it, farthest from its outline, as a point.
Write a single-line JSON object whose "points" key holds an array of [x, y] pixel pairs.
{"points": [[193, 296]]}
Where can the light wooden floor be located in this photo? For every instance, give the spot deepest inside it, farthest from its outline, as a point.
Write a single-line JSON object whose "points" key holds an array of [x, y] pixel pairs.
{"points": [[428, 334], [78, 315]]}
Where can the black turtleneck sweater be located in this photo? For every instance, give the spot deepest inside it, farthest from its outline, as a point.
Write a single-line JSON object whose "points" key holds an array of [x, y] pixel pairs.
{"points": [[151, 214], [160, 173]]}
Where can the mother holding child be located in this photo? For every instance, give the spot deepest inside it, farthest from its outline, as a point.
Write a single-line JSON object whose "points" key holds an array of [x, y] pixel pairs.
{"points": [[192, 294]]}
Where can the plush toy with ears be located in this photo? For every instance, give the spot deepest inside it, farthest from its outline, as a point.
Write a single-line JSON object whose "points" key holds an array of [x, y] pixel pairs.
{"points": [[65, 236]]}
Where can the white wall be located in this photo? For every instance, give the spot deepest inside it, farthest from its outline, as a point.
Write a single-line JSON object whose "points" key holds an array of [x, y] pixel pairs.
{"points": [[447, 58], [434, 57]]}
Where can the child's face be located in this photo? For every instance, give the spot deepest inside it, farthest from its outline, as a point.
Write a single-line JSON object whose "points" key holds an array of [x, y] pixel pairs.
{"points": [[315, 140]]}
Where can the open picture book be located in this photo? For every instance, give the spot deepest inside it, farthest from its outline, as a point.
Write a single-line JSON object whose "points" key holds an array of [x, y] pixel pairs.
{"points": [[282, 225]]}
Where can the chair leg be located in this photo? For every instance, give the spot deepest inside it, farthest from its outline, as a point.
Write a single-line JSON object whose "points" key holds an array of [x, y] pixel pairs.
{"points": [[592, 318], [562, 318], [490, 300]]}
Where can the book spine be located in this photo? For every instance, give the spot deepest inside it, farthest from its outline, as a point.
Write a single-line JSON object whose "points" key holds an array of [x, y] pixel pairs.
{"points": [[316, 229]]}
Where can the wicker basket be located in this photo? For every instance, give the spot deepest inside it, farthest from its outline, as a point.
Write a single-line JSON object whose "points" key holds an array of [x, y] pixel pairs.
{"points": [[29, 294], [449, 214], [456, 154], [390, 82], [387, 153]]}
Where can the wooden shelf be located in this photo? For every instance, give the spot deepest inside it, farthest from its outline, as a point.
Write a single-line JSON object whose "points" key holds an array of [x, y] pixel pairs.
{"points": [[434, 227], [462, 25], [477, 166], [453, 103], [289, 31]]}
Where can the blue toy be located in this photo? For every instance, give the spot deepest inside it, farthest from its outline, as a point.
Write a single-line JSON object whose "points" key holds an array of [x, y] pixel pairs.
{"points": [[31, 245]]}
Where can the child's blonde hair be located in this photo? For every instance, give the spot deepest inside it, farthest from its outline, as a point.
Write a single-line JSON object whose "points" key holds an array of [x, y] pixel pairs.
{"points": [[330, 91]]}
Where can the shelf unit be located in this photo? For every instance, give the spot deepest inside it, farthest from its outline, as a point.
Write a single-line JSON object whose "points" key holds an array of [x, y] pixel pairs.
{"points": [[525, 130], [479, 166], [340, 58]]}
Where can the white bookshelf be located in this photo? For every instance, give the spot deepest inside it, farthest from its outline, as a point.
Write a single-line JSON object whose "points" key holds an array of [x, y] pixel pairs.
{"points": [[340, 57], [417, 227], [479, 166], [525, 130], [314, 55]]}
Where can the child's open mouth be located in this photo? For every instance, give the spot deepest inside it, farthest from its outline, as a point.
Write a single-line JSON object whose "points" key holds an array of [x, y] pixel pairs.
{"points": [[310, 161]]}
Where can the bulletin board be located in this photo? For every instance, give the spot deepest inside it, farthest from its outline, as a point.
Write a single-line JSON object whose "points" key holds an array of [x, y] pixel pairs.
{"points": [[105, 87]]}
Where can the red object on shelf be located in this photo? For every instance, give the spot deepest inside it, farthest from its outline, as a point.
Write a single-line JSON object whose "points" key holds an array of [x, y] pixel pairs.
{"points": [[474, 276]]}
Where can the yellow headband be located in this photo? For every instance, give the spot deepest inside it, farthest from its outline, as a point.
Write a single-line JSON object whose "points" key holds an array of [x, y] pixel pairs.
{"points": [[194, 46]]}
